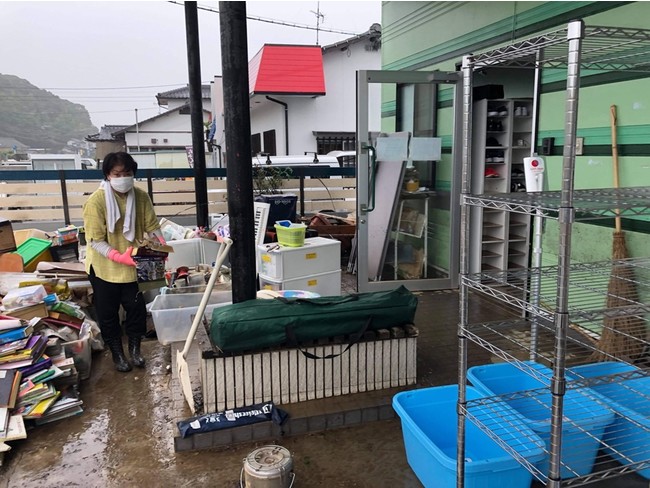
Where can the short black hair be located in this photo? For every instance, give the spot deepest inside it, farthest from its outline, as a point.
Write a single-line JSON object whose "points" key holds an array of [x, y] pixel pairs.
{"points": [[115, 158]]}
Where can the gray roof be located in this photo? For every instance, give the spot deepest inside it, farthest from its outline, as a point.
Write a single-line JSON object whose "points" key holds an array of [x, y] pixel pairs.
{"points": [[106, 133], [373, 35], [185, 107], [182, 93]]}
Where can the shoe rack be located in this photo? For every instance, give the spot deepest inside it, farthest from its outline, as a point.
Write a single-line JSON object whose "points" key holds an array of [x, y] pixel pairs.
{"points": [[501, 139]]}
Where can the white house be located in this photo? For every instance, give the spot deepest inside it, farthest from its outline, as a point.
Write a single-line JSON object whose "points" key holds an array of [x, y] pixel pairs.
{"points": [[303, 98], [170, 131]]}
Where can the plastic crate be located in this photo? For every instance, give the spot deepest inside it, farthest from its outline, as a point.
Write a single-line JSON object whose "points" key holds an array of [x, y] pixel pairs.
{"points": [[429, 427], [325, 284], [290, 234], [34, 250], [173, 314], [585, 422], [627, 439], [317, 255]]}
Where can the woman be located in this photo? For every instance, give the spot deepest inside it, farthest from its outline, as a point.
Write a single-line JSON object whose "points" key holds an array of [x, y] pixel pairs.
{"points": [[116, 215]]}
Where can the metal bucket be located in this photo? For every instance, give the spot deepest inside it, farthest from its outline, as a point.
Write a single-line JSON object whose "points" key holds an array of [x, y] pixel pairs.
{"points": [[268, 467]]}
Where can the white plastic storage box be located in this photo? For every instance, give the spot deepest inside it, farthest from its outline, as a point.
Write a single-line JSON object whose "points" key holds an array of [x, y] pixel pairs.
{"points": [[187, 252], [325, 284], [429, 428], [628, 439], [80, 351], [318, 255], [585, 418], [173, 314]]}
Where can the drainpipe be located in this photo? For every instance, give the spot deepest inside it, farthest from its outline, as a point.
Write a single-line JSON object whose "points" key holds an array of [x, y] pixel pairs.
{"points": [[286, 122]]}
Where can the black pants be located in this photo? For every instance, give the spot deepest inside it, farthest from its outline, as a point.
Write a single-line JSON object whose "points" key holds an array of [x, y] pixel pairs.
{"points": [[107, 298]]}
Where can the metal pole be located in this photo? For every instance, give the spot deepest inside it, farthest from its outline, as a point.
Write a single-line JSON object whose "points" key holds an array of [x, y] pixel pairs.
{"points": [[566, 217], [196, 112], [234, 66], [464, 268], [137, 130]]}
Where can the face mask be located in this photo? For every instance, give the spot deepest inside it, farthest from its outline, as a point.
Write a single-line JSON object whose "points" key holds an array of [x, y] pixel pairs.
{"points": [[123, 184]]}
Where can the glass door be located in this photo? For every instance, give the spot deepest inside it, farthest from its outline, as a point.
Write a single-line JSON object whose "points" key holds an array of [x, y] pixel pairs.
{"points": [[408, 177]]}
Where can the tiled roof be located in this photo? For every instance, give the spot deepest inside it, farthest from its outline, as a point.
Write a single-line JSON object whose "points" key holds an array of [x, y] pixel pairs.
{"points": [[373, 35], [185, 107], [182, 93], [287, 70], [106, 133]]}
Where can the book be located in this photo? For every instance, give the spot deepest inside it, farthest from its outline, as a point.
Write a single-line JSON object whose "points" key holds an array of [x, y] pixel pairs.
{"points": [[15, 429], [9, 387], [10, 347], [4, 420], [43, 362], [64, 317], [7, 323], [16, 334], [29, 312], [41, 407], [41, 391], [33, 350], [60, 323]]}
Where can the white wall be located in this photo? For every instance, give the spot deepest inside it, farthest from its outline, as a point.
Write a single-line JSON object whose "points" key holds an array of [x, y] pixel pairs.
{"points": [[334, 112], [175, 127]]}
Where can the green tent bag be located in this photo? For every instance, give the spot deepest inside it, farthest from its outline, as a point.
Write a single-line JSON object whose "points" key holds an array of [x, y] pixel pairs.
{"points": [[260, 323]]}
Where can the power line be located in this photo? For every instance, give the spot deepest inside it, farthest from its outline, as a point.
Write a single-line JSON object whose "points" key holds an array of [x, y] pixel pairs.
{"points": [[277, 22]]}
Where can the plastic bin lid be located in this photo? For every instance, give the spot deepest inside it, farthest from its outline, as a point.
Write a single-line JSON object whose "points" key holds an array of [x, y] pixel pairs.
{"points": [[32, 248]]}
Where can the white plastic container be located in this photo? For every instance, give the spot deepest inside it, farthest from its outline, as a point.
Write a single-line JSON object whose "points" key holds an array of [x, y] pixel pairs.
{"points": [[191, 252], [325, 284], [318, 255], [173, 314], [187, 252]]}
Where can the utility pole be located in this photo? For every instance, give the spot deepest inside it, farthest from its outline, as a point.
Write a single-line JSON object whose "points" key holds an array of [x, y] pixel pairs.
{"points": [[234, 66], [137, 130], [196, 113]]}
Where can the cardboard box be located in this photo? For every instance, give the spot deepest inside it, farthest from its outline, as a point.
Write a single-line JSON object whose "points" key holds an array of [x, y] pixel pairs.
{"points": [[7, 240]]}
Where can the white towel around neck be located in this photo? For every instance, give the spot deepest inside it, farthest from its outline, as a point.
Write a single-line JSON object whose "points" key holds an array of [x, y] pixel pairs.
{"points": [[113, 211]]}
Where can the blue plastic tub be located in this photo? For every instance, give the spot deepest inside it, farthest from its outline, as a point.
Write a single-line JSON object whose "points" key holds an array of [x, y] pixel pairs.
{"points": [[429, 427], [580, 437], [627, 439]]}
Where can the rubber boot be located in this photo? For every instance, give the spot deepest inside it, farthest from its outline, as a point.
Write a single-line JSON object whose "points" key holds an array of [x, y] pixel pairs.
{"points": [[115, 346], [134, 352]]}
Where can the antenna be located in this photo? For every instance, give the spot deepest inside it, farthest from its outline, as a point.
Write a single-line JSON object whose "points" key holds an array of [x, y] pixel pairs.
{"points": [[319, 16]]}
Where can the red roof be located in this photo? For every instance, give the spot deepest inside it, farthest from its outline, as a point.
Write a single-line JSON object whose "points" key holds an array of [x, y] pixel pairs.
{"points": [[288, 70]]}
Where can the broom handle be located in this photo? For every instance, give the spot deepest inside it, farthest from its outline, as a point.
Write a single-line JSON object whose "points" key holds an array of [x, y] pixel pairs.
{"points": [[612, 113]]}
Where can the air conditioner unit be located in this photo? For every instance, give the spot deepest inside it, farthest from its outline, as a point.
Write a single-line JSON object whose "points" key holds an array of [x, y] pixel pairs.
{"points": [[154, 141]]}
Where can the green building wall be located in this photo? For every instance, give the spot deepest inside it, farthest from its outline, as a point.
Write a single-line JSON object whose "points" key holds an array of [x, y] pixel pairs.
{"points": [[435, 35]]}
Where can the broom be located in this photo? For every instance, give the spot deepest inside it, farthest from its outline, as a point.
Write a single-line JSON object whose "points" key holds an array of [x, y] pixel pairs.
{"points": [[623, 336]]}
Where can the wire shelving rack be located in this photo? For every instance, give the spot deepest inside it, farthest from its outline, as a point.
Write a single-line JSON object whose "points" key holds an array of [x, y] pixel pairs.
{"points": [[564, 309]]}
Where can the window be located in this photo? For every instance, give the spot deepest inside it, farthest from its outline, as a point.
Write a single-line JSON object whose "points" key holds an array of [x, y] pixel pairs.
{"points": [[269, 142], [256, 144]]}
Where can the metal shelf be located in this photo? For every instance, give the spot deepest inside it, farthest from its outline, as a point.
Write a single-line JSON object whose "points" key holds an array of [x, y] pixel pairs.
{"points": [[519, 340], [603, 48], [587, 204], [567, 307], [535, 404], [534, 290]]}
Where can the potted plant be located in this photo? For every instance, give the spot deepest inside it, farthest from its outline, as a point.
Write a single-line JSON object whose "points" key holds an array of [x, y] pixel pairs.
{"points": [[267, 185]]}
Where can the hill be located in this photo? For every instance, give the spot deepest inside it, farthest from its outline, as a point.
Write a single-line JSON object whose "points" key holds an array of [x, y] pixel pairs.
{"points": [[38, 118]]}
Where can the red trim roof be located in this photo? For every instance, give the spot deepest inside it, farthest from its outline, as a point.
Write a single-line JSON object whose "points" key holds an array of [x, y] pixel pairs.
{"points": [[287, 69]]}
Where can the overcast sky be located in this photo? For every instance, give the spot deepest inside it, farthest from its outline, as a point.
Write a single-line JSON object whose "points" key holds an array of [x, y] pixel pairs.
{"points": [[114, 57]]}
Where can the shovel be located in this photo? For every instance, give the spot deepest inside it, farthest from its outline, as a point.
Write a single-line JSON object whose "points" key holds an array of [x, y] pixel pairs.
{"points": [[181, 356]]}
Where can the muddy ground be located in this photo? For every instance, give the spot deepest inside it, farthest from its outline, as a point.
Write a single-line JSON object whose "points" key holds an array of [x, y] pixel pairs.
{"points": [[124, 438]]}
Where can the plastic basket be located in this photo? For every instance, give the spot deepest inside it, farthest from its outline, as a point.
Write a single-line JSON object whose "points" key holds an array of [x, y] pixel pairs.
{"points": [[292, 235]]}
